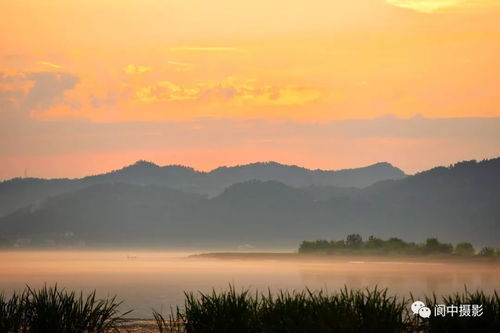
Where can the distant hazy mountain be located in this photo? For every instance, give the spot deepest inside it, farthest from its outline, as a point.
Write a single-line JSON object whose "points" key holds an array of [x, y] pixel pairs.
{"points": [[18, 192], [457, 203], [103, 213]]}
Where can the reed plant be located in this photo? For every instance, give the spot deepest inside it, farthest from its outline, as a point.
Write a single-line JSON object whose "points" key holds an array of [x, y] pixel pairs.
{"points": [[12, 313], [369, 310], [170, 324], [304, 311], [488, 320], [54, 310]]}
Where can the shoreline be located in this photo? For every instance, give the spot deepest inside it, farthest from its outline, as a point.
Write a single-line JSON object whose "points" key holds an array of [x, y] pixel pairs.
{"points": [[293, 256]]}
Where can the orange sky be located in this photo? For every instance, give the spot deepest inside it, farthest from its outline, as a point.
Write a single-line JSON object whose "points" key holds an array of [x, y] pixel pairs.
{"points": [[206, 69]]}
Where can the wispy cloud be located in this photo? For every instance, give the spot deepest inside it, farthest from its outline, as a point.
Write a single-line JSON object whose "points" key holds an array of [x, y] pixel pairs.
{"points": [[205, 48], [430, 6], [181, 66], [49, 64]]}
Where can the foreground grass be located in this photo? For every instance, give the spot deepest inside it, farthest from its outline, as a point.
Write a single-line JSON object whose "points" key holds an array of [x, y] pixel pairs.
{"points": [[489, 321], [371, 310], [53, 310], [346, 311]]}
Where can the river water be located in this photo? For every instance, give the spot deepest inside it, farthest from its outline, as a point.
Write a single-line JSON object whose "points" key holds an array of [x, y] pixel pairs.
{"points": [[157, 279]]}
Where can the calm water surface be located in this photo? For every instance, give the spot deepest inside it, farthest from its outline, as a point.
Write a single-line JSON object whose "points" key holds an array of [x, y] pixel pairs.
{"points": [[146, 280]]}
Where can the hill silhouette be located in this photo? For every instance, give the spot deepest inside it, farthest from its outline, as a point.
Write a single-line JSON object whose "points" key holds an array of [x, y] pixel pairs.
{"points": [[456, 203], [20, 192]]}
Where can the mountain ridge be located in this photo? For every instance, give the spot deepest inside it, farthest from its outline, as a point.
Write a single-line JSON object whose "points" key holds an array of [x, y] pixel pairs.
{"points": [[19, 192], [456, 203]]}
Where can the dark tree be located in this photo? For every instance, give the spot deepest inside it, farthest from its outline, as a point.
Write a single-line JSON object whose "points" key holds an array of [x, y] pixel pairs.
{"points": [[464, 249], [354, 241], [487, 252], [432, 245]]}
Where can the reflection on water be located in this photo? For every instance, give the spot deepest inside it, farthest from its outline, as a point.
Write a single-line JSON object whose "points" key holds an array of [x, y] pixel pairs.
{"points": [[146, 280], [402, 278]]}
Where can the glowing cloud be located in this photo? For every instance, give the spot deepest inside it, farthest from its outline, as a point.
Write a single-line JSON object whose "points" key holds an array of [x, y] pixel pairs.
{"points": [[229, 91], [430, 6], [33, 91], [137, 69], [165, 91]]}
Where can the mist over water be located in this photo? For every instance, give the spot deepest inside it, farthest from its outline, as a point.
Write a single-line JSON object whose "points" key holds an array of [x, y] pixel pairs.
{"points": [[157, 279]]}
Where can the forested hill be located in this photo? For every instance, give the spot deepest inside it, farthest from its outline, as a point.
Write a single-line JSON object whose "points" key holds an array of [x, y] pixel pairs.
{"points": [[17, 193], [456, 203]]}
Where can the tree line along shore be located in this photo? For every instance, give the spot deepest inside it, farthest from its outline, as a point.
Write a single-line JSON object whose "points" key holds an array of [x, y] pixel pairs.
{"points": [[354, 244]]}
